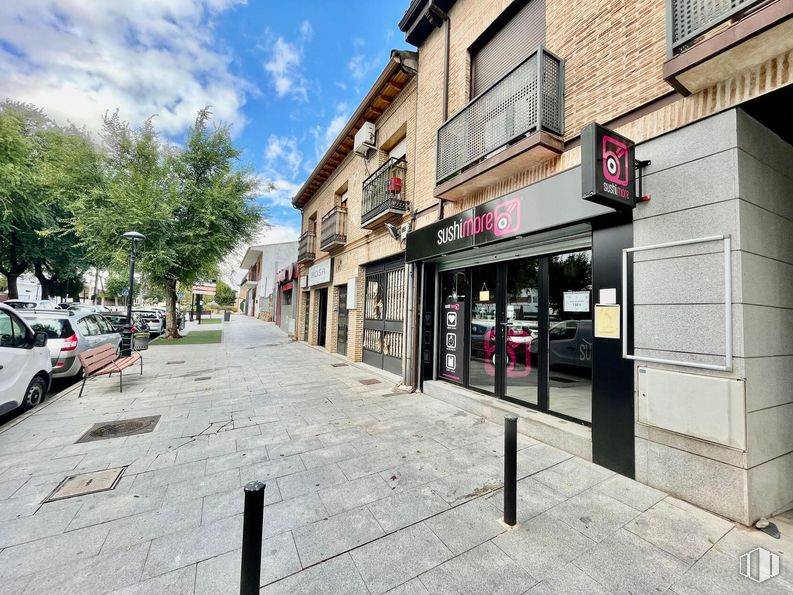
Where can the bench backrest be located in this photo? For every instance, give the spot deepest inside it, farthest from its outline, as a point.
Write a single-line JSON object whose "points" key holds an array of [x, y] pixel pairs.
{"points": [[97, 358]]}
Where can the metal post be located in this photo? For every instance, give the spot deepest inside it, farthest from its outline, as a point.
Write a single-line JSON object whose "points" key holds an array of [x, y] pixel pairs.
{"points": [[126, 334], [510, 468], [251, 567]]}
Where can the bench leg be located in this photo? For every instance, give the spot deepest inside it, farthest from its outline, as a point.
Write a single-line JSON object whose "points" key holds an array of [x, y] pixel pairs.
{"points": [[85, 377]]}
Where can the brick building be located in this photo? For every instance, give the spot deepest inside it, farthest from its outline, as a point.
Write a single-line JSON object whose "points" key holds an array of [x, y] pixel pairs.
{"points": [[654, 337], [353, 278]]}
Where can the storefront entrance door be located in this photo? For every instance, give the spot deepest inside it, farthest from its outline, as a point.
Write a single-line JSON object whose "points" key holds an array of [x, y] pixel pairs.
{"points": [[384, 305], [322, 316], [525, 331], [341, 333]]}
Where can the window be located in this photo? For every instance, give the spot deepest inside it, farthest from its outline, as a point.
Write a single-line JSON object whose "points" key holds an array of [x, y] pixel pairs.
{"points": [[563, 331], [512, 37], [56, 328], [399, 150], [12, 332], [104, 325]]}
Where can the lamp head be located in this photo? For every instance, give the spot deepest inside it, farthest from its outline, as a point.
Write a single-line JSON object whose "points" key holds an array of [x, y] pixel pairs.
{"points": [[134, 236], [393, 231]]}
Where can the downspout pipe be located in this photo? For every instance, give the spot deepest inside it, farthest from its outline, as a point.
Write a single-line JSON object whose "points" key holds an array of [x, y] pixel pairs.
{"points": [[447, 24]]}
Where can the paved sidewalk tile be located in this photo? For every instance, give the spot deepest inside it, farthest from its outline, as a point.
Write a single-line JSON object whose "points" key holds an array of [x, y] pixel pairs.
{"points": [[484, 569], [393, 560], [338, 575], [369, 490]]}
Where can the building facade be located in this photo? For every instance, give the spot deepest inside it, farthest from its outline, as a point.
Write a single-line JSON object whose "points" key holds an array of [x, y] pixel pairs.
{"points": [[353, 279], [663, 331], [262, 263], [651, 331]]}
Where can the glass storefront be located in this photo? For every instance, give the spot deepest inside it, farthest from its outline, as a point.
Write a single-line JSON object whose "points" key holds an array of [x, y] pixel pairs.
{"points": [[524, 329]]}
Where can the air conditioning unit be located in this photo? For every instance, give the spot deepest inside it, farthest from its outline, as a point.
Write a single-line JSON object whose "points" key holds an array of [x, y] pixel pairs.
{"points": [[365, 139]]}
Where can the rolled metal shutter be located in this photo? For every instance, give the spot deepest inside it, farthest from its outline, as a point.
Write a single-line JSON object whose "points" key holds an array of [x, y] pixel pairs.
{"points": [[508, 47]]}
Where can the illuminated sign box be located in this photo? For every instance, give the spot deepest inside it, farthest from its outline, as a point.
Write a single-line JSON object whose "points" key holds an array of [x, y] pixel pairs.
{"points": [[608, 169]]}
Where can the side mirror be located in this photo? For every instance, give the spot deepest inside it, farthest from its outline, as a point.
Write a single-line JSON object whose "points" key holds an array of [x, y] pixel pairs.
{"points": [[40, 339]]}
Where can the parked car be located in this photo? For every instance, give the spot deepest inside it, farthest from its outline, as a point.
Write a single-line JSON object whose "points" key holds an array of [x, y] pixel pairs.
{"points": [[119, 319], [89, 308], [25, 368], [31, 304], [155, 319], [180, 317], [70, 333]]}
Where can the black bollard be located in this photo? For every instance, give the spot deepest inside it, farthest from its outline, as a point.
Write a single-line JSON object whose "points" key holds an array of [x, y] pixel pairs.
{"points": [[510, 469], [251, 567]]}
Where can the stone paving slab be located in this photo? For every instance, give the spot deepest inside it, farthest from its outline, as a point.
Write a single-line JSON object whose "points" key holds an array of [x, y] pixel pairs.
{"points": [[369, 490]]}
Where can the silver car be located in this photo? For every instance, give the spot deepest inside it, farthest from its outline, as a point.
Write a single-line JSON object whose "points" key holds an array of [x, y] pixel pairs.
{"points": [[71, 333], [155, 319]]}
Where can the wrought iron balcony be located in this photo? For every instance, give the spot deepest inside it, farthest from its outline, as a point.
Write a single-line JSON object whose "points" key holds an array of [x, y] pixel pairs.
{"points": [[305, 247], [686, 20], [333, 231], [530, 98], [384, 194]]}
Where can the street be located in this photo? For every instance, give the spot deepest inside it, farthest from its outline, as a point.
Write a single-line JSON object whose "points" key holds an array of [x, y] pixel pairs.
{"points": [[369, 490]]}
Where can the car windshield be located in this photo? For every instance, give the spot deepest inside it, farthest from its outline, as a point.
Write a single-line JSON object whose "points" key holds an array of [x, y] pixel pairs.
{"points": [[56, 328], [21, 305]]}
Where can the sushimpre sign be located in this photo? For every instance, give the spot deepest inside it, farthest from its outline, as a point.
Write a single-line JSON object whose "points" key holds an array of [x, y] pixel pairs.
{"points": [[552, 202]]}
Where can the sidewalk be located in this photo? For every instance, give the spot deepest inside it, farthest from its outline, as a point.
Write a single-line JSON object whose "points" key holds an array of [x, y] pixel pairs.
{"points": [[369, 490]]}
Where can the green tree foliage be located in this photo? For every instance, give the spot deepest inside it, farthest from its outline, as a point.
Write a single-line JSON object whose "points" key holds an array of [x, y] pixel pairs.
{"points": [[193, 204], [44, 168], [224, 295]]}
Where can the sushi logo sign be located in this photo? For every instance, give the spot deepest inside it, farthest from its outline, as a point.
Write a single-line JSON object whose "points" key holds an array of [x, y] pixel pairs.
{"points": [[608, 168], [759, 565]]}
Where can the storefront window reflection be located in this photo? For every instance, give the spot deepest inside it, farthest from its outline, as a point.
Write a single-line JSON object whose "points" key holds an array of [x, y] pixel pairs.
{"points": [[522, 329], [570, 334], [483, 328]]}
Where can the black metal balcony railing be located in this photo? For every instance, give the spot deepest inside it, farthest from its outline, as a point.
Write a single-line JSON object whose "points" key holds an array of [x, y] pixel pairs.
{"points": [[527, 99], [384, 190], [333, 231], [305, 247], [688, 19]]}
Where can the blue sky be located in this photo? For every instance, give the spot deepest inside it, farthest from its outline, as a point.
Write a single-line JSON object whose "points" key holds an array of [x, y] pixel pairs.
{"points": [[285, 75]]}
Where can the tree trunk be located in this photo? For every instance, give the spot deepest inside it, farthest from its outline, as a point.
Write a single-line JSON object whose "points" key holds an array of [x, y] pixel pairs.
{"points": [[13, 292], [171, 326], [38, 271]]}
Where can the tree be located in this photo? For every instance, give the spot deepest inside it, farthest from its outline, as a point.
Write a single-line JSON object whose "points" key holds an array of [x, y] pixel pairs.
{"points": [[224, 295], [193, 204], [44, 168]]}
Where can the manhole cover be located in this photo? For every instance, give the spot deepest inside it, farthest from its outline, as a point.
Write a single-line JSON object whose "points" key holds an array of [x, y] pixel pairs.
{"points": [[339, 365], [179, 362], [117, 429], [86, 483], [203, 378], [369, 381]]}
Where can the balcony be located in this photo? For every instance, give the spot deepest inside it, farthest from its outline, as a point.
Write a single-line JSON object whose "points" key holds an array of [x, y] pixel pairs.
{"points": [[507, 128], [333, 231], [384, 194], [709, 41], [305, 247]]}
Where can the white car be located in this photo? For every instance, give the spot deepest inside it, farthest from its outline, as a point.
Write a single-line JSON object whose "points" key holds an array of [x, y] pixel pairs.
{"points": [[31, 304], [25, 367]]}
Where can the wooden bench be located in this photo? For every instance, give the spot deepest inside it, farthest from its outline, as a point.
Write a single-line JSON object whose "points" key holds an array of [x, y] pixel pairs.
{"points": [[105, 360]]}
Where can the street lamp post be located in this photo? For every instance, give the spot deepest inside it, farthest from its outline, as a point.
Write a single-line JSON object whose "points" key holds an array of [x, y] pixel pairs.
{"points": [[126, 335]]}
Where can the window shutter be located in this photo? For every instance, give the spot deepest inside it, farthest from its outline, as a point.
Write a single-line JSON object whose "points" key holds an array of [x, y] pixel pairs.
{"points": [[508, 47]]}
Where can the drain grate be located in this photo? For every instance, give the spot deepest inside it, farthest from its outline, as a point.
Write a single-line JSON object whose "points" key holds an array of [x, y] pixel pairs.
{"points": [[118, 429], [339, 365], [369, 381], [86, 483], [176, 362], [203, 378]]}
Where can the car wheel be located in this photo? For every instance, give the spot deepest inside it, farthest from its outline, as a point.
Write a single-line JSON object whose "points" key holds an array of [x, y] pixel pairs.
{"points": [[35, 393]]}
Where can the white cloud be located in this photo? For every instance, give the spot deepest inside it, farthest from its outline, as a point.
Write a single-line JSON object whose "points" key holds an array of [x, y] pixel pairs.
{"points": [[283, 151], [360, 65], [285, 64], [324, 136], [77, 59]]}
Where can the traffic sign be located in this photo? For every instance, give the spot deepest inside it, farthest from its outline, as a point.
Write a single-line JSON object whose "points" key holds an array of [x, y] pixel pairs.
{"points": [[125, 292]]}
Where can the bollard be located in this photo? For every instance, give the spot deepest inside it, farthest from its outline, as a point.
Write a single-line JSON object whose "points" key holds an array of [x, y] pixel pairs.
{"points": [[251, 567], [510, 468]]}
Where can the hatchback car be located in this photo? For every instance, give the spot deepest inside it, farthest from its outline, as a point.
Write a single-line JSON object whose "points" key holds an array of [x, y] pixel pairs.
{"points": [[155, 319], [24, 363], [71, 333], [30, 304], [89, 308]]}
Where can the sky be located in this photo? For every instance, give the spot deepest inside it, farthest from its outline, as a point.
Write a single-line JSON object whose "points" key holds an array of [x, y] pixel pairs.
{"points": [[285, 75]]}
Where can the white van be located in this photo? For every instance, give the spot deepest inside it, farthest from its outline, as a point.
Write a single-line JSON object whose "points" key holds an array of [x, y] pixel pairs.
{"points": [[25, 367]]}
